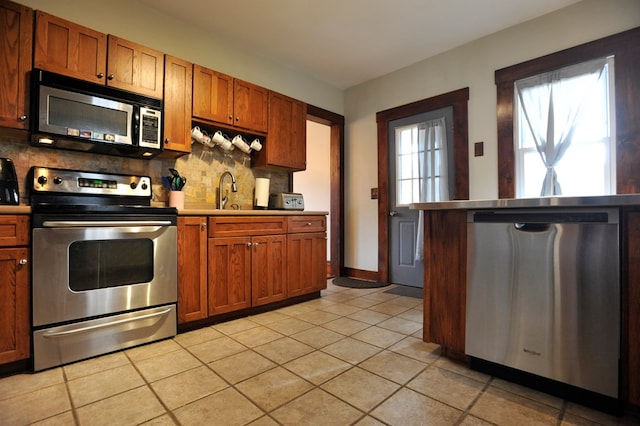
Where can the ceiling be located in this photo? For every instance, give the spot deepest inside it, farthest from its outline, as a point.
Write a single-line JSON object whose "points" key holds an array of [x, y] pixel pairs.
{"points": [[347, 42]]}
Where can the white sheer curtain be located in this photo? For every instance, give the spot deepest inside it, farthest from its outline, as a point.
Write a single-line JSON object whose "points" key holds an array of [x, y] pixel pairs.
{"points": [[550, 104], [434, 171]]}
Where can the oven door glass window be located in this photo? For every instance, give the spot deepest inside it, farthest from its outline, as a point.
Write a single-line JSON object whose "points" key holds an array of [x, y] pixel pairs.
{"points": [[98, 264]]}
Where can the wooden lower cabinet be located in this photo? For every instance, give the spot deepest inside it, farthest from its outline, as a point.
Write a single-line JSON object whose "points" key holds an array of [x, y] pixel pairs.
{"points": [[14, 289], [231, 263], [630, 365], [445, 260], [192, 268], [268, 269], [307, 263], [229, 276]]}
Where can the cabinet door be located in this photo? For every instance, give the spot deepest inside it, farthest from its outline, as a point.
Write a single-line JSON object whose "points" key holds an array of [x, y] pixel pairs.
{"points": [[178, 76], [229, 274], [250, 106], [192, 269], [135, 67], [14, 315], [268, 269], [67, 48], [212, 95], [16, 35], [286, 143], [306, 262]]}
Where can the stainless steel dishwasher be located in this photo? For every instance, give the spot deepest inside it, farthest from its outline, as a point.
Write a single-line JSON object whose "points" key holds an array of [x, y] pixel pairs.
{"points": [[543, 293]]}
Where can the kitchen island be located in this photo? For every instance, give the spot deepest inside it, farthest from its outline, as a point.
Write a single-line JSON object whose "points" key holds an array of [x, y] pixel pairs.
{"points": [[445, 279]]}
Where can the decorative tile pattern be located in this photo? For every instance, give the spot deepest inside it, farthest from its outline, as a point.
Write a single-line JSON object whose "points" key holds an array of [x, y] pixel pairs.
{"points": [[352, 357]]}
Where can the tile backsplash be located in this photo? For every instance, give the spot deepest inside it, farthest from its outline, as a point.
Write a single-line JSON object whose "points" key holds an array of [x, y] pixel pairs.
{"points": [[202, 168]]}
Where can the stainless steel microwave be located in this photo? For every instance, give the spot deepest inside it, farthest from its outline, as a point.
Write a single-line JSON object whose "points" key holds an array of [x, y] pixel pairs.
{"points": [[73, 114]]}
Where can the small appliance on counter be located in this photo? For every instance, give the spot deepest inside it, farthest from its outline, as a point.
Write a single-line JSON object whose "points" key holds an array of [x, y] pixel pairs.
{"points": [[286, 201], [9, 193]]}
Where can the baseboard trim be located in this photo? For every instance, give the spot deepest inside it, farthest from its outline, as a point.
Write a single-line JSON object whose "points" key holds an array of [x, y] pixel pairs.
{"points": [[361, 274]]}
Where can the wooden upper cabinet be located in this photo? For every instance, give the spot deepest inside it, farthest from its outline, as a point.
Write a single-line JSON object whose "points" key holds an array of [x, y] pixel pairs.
{"points": [[250, 106], [16, 39], [221, 98], [134, 67], [67, 48], [212, 95], [286, 145], [178, 78]]}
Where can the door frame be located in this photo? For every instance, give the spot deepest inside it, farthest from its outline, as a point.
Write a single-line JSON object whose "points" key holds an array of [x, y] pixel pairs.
{"points": [[457, 99], [336, 222]]}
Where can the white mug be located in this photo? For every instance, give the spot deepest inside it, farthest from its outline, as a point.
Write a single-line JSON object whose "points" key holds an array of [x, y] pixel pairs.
{"points": [[239, 142], [256, 145], [196, 134]]}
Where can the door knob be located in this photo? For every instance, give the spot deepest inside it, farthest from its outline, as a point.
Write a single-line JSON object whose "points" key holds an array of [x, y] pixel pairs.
{"points": [[393, 213]]}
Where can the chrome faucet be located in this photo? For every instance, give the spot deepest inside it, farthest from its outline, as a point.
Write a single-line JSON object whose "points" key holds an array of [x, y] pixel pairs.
{"points": [[222, 201]]}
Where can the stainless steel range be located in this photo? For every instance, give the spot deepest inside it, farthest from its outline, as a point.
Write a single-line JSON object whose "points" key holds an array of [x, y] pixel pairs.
{"points": [[104, 269]]}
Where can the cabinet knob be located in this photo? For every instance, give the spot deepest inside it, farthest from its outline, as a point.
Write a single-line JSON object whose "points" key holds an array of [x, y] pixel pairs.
{"points": [[255, 244], [167, 140], [22, 118], [203, 225], [100, 75], [230, 117], [237, 118], [308, 223], [111, 76], [23, 261], [249, 244]]}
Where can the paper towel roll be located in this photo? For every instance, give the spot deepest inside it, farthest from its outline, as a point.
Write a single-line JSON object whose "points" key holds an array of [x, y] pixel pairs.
{"points": [[262, 193]]}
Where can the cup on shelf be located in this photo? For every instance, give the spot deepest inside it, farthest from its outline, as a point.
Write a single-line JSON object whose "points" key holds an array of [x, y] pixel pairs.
{"points": [[239, 143], [222, 141], [197, 135], [256, 145]]}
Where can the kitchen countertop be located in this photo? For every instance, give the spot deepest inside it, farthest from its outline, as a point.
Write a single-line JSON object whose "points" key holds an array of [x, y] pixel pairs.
{"points": [[190, 211], [619, 200], [197, 210], [22, 209]]}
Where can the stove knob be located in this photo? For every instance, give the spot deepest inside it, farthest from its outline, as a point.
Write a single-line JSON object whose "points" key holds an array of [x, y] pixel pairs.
{"points": [[57, 180], [133, 185], [144, 186], [42, 180]]}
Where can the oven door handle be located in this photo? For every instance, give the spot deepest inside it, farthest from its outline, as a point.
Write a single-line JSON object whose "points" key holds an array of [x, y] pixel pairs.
{"points": [[104, 325], [86, 223]]}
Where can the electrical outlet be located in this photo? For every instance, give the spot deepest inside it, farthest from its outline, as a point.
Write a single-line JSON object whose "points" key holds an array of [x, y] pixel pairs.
{"points": [[374, 193]]}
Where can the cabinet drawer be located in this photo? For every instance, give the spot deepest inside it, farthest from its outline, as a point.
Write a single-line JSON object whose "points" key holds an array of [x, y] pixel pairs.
{"points": [[14, 230], [239, 226], [307, 224]]}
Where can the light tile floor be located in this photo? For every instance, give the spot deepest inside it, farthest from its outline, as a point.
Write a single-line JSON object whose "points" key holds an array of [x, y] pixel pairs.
{"points": [[354, 356]]}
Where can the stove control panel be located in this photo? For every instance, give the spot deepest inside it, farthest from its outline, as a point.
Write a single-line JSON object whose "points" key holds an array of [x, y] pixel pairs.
{"points": [[76, 182]]}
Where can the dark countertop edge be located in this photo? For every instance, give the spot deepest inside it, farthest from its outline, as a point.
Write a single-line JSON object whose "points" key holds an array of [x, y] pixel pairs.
{"points": [[23, 209], [217, 212], [620, 200]]}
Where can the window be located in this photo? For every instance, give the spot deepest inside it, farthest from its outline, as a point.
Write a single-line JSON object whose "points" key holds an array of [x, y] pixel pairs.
{"points": [[421, 162], [564, 131], [622, 46]]}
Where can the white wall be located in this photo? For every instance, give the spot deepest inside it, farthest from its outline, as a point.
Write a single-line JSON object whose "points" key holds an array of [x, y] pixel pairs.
{"points": [[136, 22], [315, 182], [472, 65]]}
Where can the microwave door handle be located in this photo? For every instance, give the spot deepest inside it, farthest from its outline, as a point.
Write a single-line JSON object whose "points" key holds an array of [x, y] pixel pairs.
{"points": [[103, 223]]}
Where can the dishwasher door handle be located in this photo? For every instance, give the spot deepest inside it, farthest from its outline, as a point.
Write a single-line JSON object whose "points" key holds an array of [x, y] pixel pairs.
{"points": [[531, 227]]}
